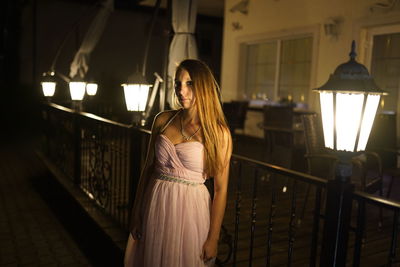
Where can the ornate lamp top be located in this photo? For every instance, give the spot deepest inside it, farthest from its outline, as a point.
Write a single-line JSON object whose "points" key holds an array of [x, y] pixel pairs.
{"points": [[351, 77], [137, 78]]}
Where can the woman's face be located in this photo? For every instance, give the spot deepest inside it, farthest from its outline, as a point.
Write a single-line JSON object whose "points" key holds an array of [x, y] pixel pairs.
{"points": [[184, 89]]}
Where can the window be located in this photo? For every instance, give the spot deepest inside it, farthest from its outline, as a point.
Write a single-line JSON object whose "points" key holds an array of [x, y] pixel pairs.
{"points": [[385, 68], [278, 69]]}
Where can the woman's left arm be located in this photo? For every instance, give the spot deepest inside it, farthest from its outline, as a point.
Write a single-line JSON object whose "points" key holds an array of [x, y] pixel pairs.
{"points": [[210, 247]]}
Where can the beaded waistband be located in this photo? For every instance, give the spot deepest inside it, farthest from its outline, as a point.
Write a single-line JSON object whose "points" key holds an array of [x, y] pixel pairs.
{"points": [[176, 180]]}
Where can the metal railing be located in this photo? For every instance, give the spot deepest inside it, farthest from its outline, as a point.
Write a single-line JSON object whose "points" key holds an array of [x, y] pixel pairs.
{"points": [[102, 157], [263, 225], [265, 214], [382, 216]]}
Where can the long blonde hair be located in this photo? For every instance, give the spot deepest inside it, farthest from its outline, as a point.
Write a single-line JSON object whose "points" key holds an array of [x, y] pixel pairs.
{"points": [[211, 116]]}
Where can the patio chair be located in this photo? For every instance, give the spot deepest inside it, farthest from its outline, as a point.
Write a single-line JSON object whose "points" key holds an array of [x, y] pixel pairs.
{"points": [[319, 162], [283, 140], [235, 113], [382, 142]]}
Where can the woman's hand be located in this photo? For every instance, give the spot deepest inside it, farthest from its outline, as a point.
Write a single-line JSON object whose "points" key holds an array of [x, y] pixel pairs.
{"points": [[137, 230], [210, 250], [130, 251]]}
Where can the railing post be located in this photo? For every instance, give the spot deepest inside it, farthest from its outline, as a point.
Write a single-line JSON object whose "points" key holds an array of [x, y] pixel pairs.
{"points": [[77, 148], [337, 218]]}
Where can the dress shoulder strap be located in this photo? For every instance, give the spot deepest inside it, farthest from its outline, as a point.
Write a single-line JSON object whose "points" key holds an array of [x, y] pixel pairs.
{"points": [[169, 121]]}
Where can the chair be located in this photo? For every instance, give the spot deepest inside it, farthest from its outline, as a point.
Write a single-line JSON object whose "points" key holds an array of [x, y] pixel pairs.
{"points": [[382, 142], [319, 162], [235, 113], [282, 139]]}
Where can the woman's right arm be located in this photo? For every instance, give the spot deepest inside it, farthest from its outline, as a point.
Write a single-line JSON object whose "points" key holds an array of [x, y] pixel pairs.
{"points": [[136, 216]]}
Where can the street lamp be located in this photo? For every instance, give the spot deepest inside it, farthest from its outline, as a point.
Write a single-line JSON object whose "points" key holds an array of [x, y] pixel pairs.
{"points": [[349, 101], [48, 85], [49, 81], [77, 88], [136, 91], [91, 88]]}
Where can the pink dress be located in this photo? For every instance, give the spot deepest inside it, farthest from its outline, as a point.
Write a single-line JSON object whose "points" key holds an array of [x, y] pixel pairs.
{"points": [[177, 212]]}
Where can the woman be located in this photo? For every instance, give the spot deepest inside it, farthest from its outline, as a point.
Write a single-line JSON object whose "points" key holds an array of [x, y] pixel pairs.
{"points": [[173, 222]]}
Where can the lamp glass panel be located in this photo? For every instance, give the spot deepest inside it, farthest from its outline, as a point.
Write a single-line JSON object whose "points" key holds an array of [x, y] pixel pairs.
{"points": [[91, 89], [348, 115], [369, 115], [77, 90], [136, 96], [48, 88], [326, 100]]}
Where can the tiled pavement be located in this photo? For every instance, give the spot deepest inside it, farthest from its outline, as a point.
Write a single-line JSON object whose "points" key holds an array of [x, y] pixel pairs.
{"points": [[30, 234]]}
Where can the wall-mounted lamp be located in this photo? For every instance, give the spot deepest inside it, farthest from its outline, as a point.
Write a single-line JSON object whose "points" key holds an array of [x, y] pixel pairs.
{"points": [[332, 27]]}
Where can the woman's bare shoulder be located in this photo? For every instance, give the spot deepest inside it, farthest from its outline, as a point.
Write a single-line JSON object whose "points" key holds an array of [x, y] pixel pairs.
{"points": [[162, 118]]}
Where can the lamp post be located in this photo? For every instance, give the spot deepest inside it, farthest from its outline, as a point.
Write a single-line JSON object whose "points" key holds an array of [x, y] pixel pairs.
{"points": [[349, 101], [49, 80], [136, 91]]}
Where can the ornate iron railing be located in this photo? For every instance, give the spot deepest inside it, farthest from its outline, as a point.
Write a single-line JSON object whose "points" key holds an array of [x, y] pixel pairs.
{"points": [[263, 225], [103, 157], [382, 216], [264, 218], [59, 137]]}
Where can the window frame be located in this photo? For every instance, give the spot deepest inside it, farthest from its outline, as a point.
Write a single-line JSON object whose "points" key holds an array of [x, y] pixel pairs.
{"points": [[367, 37], [279, 36]]}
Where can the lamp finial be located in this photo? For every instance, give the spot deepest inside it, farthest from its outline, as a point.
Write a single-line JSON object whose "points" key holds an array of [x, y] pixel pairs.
{"points": [[353, 53]]}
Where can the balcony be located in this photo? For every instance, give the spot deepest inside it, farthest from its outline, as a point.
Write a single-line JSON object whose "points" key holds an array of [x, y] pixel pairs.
{"points": [[83, 176]]}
